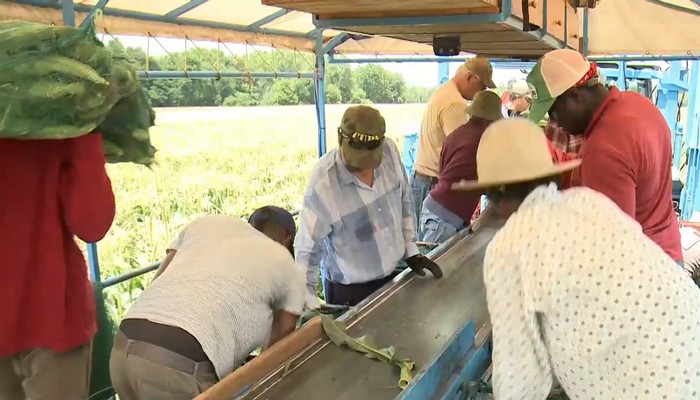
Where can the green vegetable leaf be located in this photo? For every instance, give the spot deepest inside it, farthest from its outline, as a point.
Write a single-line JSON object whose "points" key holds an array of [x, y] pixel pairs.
{"points": [[337, 332]]}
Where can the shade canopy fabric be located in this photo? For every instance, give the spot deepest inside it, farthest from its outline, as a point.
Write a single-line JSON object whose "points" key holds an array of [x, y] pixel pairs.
{"points": [[639, 27]]}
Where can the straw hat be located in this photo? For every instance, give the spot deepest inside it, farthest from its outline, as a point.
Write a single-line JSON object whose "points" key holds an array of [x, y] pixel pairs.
{"points": [[513, 150]]}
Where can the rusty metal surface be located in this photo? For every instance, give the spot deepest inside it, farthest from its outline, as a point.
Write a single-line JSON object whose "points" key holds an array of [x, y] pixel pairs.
{"points": [[415, 315]]}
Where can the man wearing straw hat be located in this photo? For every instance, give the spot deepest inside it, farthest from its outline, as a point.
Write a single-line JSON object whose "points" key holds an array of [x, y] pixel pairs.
{"points": [[574, 287], [445, 211], [446, 111], [626, 151]]}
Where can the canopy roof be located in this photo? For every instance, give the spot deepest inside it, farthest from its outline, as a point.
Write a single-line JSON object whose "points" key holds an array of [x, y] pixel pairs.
{"points": [[231, 21], [640, 27]]}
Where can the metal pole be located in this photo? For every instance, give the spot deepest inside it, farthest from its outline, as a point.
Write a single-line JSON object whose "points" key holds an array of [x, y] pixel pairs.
{"points": [[690, 192], [68, 12], [443, 72], [320, 86], [221, 74]]}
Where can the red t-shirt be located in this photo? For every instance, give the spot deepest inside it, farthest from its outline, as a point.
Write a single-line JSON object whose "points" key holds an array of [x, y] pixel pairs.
{"points": [[626, 155], [50, 190]]}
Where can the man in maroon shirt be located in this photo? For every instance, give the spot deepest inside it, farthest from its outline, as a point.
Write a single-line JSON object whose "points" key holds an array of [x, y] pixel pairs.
{"points": [[446, 211], [50, 192], [626, 151]]}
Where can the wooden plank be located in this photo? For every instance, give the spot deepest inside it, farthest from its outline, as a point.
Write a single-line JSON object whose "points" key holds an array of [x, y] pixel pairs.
{"points": [[410, 13], [427, 29], [339, 7], [503, 46], [267, 362], [474, 37]]}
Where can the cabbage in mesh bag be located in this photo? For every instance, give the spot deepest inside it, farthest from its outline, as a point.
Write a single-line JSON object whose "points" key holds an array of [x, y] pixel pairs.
{"points": [[58, 82], [53, 81]]}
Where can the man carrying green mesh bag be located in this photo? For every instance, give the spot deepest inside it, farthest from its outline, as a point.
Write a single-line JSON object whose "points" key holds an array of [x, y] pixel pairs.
{"points": [[58, 82]]}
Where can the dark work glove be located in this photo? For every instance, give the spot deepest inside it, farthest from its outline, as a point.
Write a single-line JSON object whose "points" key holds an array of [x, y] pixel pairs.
{"points": [[420, 262]]}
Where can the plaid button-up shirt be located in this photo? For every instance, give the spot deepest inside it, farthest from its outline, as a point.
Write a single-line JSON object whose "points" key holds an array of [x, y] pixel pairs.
{"points": [[355, 232], [562, 140]]}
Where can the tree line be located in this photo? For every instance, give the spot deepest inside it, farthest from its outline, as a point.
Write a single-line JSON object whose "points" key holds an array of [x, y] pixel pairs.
{"points": [[369, 83]]}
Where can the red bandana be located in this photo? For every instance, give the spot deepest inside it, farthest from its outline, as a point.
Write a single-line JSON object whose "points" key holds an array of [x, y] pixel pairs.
{"points": [[590, 74]]}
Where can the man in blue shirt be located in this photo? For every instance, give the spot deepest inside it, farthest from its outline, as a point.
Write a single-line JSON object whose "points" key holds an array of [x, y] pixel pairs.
{"points": [[357, 217]]}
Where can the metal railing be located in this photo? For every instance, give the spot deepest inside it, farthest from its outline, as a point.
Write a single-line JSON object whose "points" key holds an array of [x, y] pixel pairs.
{"points": [[115, 280]]}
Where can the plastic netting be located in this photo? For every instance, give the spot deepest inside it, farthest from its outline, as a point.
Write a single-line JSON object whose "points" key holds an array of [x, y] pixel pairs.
{"points": [[59, 82]]}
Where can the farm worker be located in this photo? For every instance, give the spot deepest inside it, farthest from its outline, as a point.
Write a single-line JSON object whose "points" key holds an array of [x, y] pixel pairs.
{"points": [[447, 111], [224, 289], [445, 212], [516, 100], [603, 319], [357, 218], [626, 151], [50, 192]]}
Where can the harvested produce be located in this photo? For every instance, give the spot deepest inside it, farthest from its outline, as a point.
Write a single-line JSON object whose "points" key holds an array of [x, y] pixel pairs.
{"points": [[59, 82]]}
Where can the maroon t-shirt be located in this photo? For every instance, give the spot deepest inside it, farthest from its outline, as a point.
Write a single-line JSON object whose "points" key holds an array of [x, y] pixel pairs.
{"points": [[626, 155], [457, 162]]}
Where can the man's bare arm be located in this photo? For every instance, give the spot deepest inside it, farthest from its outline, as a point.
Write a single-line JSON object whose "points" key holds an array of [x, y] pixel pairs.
{"points": [[283, 324]]}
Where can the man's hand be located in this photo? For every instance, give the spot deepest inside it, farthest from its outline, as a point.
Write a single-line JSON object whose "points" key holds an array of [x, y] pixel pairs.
{"points": [[420, 262]]}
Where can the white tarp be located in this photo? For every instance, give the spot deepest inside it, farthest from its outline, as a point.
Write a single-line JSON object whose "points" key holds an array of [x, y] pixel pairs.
{"points": [[640, 27]]}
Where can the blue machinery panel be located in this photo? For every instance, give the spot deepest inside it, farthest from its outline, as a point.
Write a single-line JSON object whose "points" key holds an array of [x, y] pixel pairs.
{"points": [[461, 360]]}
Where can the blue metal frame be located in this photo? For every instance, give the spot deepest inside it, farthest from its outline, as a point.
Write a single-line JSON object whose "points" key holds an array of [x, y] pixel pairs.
{"points": [[690, 197], [221, 74], [185, 8]]}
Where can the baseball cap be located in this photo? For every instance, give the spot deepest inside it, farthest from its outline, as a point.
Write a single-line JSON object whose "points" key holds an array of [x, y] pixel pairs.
{"points": [[482, 68], [362, 129], [555, 73], [279, 215], [486, 105], [519, 88]]}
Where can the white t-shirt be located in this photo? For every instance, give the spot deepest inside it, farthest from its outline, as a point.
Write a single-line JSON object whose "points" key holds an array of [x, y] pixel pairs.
{"points": [[577, 292], [222, 287]]}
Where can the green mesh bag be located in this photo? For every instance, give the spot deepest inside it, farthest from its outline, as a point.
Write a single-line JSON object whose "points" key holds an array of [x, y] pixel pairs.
{"points": [[59, 82]]}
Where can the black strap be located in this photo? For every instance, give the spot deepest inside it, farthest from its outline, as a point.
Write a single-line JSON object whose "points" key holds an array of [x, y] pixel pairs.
{"points": [[527, 26]]}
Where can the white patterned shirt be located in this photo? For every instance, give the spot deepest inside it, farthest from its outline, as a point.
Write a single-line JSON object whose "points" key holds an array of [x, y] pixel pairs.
{"points": [[578, 294], [357, 233]]}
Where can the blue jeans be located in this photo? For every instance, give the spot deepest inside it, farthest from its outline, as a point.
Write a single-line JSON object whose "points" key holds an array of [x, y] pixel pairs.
{"points": [[435, 229], [420, 188]]}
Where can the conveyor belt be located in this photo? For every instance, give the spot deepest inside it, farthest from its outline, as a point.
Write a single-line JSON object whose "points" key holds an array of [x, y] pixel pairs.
{"points": [[415, 315]]}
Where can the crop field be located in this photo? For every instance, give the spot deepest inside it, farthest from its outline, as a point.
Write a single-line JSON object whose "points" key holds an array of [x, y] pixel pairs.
{"points": [[225, 160]]}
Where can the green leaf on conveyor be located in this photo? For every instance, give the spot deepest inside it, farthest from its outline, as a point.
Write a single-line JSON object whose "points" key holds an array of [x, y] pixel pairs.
{"points": [[337, 332]]}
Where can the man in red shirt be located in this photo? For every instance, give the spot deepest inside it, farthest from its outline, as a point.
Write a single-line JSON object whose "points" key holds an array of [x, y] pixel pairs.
{"points": [[626, 151], [50, 192], [446, 211]]}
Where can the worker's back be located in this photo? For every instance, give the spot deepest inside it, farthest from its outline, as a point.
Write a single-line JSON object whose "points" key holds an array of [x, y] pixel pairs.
{"points": [[446, 111], [222, 287], [634, 137]]}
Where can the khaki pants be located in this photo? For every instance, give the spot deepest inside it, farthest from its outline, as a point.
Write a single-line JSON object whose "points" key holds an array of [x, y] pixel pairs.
{"points": [[42, 374], [141, 370]]}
